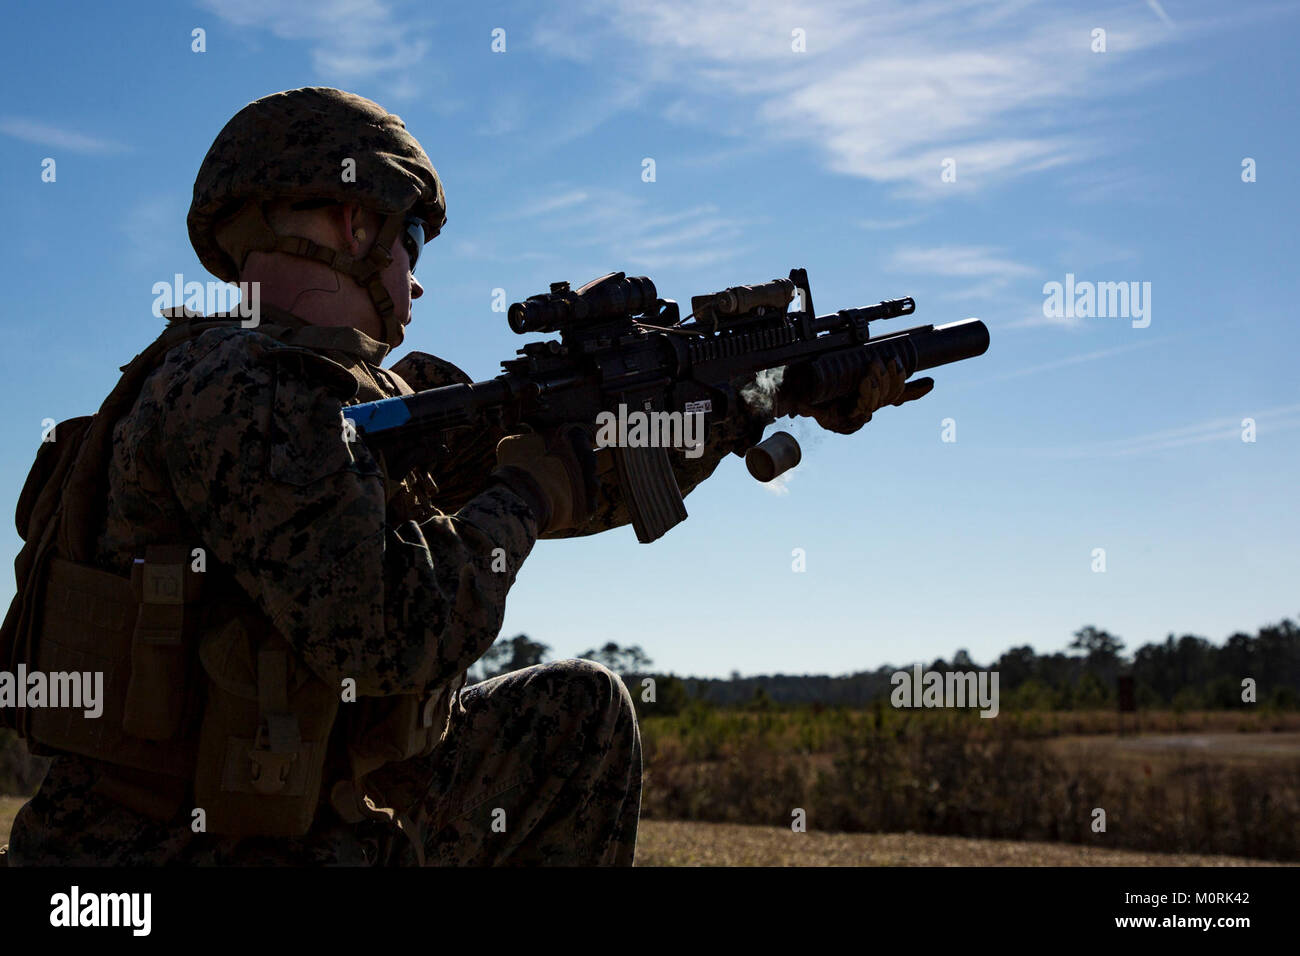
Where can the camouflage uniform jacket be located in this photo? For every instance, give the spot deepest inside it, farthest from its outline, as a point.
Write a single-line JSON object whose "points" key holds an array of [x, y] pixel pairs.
{"points": [[234, 444]]}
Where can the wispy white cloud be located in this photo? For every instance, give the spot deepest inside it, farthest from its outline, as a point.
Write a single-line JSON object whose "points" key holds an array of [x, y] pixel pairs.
{"points": [[626, 230], [780, 485], [1160, 11], [901, 223], [55, 137], [490, 251], [719, 157], [551, 204], [980, 262], [1037, 320], [884, 91], [1226, 428], [613, 96], [504, 115], [348, 40], [991, 270], [1066, 362]]}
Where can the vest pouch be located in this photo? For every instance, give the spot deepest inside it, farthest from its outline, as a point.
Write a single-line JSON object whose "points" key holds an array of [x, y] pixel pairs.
{"points": [[167, 592], [39, 499], [38, 506], [383, 733], [84, 636], [392, 729], [263, 742]]}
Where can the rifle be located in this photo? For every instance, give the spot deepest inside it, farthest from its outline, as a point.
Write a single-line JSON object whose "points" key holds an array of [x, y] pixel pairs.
{"points": [[622, 347]]}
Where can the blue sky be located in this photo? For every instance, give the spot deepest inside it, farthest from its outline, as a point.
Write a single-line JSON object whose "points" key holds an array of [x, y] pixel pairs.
{"points": [[1072, 435]]}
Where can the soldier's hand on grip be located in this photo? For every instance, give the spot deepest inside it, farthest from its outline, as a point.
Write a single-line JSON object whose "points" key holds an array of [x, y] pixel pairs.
{"points": [[884, 384], [555, 472]]}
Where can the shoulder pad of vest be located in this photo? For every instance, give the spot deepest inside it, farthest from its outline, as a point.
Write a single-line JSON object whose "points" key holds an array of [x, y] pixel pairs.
{"points": [[179, 313], [423, 371], [314, 367]]}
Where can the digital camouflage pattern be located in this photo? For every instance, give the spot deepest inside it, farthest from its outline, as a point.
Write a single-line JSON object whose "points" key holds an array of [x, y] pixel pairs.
{"points": [[293, 145], [541, 766], [235, 445]]}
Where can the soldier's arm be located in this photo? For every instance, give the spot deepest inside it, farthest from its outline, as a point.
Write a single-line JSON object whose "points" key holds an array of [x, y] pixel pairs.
{"points": [[256, 454], [472, 455]]}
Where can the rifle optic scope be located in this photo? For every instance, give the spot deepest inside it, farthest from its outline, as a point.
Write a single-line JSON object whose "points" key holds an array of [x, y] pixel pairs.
{"points": [[612, 296]]}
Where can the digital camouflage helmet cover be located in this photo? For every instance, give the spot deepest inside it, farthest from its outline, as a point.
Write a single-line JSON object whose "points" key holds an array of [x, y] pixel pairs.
{"points": [[315, 143]]}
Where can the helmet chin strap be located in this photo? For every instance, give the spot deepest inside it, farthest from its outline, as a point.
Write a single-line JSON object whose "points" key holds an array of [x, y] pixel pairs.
{"points": [[371, 278], [250, 231]]}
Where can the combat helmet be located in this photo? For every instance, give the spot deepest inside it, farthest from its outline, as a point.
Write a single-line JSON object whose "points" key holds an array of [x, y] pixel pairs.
{"points": [[315, 143]]}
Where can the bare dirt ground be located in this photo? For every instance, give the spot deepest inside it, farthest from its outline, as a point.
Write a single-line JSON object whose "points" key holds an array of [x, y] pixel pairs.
{"points": [[671, 843]]}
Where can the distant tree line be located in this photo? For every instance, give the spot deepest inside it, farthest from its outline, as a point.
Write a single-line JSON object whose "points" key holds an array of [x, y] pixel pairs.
{"points": [[1180, 673]]}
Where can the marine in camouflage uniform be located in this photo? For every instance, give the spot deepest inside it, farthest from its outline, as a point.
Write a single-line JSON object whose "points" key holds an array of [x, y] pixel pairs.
{"points": [[234, 445], [236, 440]]}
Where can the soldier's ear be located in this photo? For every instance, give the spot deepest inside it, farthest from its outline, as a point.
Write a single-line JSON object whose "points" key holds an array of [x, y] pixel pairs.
{"points": [[351, 233], [357, 228]]}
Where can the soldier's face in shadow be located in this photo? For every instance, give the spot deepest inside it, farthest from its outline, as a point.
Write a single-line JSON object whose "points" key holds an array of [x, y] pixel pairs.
{"points": [[312, 291], [401, 283]]}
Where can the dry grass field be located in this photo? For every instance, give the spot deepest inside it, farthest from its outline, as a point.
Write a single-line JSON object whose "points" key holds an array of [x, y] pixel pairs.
{"points": [[1226, 748], [1197, 789], [672, 843], [1211, 784]]}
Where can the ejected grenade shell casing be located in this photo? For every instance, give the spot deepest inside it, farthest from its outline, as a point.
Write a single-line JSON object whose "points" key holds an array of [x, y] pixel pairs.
{"points": [[773, 456]]}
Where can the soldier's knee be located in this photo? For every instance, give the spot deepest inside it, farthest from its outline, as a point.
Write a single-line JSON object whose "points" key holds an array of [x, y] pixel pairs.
{"points": [[588, 726], [598, 685]]}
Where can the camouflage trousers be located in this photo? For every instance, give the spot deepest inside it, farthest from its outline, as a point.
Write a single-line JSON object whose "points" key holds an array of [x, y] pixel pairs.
{"points": [[540, 766]]}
